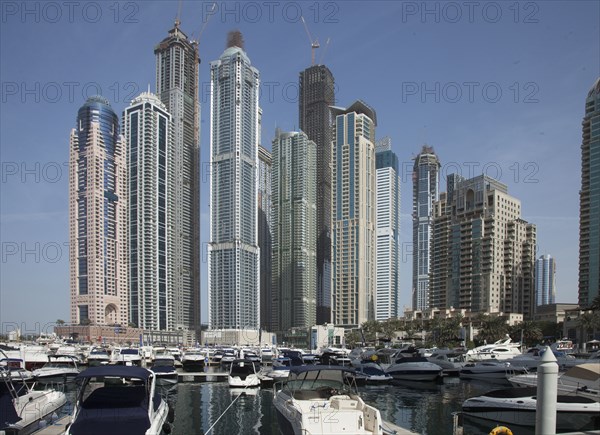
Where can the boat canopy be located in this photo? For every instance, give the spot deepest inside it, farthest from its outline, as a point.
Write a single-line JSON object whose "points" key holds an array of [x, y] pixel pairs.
{"points": [[116, 371], [313, 368]]}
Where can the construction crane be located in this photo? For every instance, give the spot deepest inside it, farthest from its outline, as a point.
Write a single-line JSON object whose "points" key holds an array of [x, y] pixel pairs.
{"points": [[314, 44]]}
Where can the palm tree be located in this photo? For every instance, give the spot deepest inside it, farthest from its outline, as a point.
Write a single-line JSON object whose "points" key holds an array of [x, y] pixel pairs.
{"points": [[588, 321], [492, 329], [595, 303], [529, 330]]}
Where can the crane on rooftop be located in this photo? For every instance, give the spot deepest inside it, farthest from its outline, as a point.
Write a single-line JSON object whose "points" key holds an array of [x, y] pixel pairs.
{"points": [[314, 44]]}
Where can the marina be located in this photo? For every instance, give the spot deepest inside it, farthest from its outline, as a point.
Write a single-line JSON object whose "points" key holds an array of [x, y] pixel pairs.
{"points": [[206, 401]]}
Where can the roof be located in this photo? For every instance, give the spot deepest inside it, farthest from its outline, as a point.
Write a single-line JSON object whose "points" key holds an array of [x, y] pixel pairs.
{"points": [[116, 370], [313, 368]]}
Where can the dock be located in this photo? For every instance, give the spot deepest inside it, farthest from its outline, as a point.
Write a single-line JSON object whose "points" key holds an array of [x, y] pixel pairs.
{"points": [[201, 377]]}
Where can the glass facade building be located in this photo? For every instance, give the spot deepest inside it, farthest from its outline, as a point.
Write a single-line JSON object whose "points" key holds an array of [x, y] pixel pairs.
{"points": [[98, 217], [233, 267], [589, 201], [265, 236], [388, 231], [545, 280], [317, 94], [425, 191]]}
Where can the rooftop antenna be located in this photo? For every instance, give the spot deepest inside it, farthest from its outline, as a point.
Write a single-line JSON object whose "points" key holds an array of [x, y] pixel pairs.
{"points": [[212, 10], [324, 51], [314, 44]]}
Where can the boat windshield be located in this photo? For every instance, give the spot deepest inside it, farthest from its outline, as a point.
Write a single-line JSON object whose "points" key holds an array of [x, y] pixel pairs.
{"points": [[242, 368], [129, 352], [316, 380]]}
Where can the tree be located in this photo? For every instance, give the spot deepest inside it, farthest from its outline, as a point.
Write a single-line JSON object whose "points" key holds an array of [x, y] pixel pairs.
{"points": [[370, 329], [389, 328], [588, 321], [595, 303], [492, 328], [352, 338], [530, 330], [60, 322]]}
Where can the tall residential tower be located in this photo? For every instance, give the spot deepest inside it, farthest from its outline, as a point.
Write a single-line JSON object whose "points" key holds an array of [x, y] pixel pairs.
{"points": [[148, 131], [545, 280], [317, 94], [233, 262], [98, 217], [483, 252], [425, 191], [388, 231], [177, 62], [294, 236], [354, 215], [265, 236], [589, 201]]}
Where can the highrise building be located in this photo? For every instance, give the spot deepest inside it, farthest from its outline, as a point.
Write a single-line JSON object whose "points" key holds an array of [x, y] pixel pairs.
{"points": [[177, 62], [148, 132], [354, 215], [589, 201], [98, 217], [545, 280], [388, 231], [233, 261], [483, 252], [426, 173], [294, 236], [265, 236], [317, 94]]}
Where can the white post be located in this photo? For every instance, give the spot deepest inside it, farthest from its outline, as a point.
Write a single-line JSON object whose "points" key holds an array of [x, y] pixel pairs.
{"points": [[547, 391]]}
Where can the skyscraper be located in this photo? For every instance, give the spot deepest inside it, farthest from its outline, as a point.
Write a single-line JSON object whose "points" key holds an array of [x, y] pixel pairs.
{"points": [[177, 62], [482, 250], [98, 217], [294, 236], [388, 231], [148, 132], [233, 262], [545, 280], [265, 236], [425, 192], [589, 201], [317, 94], [353, 212]]}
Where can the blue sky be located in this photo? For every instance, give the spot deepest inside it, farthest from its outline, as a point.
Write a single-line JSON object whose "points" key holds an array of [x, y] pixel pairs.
{"points": [[492, 86]]}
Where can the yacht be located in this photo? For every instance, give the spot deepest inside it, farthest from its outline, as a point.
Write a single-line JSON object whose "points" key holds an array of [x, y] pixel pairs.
{"points": [[490, 370], [517, 406], [371, 373], [243, 374], [320, 399], [23, 410], [500, 350], [414, 368], [163, 366], [116, 399], [126, 357], [583, 379], [98, 356], [266, 355], [58, 369], [194, 360]]}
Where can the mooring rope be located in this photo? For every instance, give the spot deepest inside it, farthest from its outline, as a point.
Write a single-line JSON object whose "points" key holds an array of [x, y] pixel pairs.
{"points": [[230, 405]]}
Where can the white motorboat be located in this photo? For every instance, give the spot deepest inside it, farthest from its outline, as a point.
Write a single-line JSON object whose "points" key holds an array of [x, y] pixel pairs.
{"points": [[164, 369], [266, 355], [58, 369], [176, 352], [415, 368], [490, 370], [117, 399], [242, 374], [22, 410], [500, 350], [229, 355], [126, 357], [97, 357], [371, 373], [15, 368], [583, 380], [447, 361], [517, 406], [320, 399], [194, 360]]}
